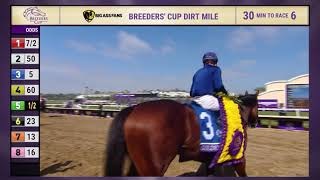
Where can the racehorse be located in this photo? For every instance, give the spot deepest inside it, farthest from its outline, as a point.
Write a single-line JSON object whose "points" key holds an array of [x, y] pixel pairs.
{"points": [[152, 133]]}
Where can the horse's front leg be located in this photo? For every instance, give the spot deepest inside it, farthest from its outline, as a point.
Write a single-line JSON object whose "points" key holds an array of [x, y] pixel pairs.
{"points": [[241, 169]]}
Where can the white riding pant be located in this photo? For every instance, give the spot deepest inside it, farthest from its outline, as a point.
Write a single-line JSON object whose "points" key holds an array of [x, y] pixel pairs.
{"points": [[208, 102]]}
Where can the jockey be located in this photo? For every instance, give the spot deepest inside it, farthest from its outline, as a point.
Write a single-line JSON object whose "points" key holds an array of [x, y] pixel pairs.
{"points": [[206, 82]]}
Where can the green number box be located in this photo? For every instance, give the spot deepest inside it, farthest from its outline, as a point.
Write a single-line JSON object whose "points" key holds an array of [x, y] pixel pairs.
{"points": [[17, 105]]}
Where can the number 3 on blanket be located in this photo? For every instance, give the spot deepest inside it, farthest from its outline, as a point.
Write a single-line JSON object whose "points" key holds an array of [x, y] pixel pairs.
{"points": [[209, 134]]}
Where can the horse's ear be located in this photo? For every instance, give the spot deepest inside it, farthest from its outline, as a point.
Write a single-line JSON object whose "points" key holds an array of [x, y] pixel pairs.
{"points": [[246, 93], [257, 92]]}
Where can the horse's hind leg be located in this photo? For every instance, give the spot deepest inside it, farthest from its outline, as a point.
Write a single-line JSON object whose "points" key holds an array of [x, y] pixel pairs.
{"points": [[202, 170], [149, 157], [145, 164], [222, 171], [241, 169], [132, 170], [153, 137]]}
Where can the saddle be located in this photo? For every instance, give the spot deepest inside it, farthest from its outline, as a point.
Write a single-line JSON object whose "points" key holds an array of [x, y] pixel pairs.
{"points": [[222, 133], [210, 128]]}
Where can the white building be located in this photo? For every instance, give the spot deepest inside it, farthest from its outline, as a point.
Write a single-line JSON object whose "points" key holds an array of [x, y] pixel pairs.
{"points": [[287, 93]]}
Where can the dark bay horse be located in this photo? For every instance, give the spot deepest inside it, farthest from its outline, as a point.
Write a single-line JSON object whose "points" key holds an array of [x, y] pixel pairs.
{"points": [[152, 133]]}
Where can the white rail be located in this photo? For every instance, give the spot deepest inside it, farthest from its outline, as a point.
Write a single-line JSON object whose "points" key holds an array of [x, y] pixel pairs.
{"points": [[283, 117], [283, 109]]}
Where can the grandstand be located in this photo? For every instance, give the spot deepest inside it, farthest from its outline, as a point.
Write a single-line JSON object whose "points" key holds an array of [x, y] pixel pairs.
{"points": [[292, 93]]}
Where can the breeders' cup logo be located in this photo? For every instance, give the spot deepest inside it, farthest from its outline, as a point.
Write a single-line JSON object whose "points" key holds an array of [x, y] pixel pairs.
{"points": [[35, 15], [88, 15], [236, 143]]}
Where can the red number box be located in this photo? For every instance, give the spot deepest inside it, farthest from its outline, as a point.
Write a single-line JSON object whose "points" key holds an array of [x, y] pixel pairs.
{"points": [[17, 43]]}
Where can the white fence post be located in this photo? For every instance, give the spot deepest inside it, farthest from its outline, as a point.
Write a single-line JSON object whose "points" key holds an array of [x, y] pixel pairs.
{"points": [[298, 113]]}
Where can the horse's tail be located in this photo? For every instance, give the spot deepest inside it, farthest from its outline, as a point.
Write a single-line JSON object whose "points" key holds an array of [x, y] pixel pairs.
{"points": [[116, 146]]}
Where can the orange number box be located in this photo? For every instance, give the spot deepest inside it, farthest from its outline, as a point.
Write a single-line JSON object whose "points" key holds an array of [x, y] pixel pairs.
{"points": [[17, 136]]}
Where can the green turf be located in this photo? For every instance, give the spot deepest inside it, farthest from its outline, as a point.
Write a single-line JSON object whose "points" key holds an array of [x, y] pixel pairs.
{"points": [[287, 113], [271, 123], [305, 124]]}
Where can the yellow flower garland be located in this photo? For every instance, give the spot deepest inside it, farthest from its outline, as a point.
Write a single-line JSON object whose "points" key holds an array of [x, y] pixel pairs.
{"points": [[233, 123]]}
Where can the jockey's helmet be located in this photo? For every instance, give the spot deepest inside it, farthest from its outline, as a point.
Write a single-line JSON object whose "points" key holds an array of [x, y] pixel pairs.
{"points": [[209, 56]]}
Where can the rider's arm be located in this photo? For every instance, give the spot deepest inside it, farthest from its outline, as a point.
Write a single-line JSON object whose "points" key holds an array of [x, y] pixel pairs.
{"points": [[192, 90], [218, 81], [222, 89]]}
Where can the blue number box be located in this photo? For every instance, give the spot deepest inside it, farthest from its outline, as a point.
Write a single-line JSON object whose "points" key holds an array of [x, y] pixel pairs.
{"points": [[17, 74]]}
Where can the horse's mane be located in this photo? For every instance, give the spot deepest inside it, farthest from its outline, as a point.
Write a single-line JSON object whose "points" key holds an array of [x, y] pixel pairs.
{"points": [[249, 100], [235, 99]]}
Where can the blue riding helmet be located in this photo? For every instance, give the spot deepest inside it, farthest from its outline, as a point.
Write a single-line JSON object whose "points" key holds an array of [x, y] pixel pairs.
{"points": [[209, 55]]}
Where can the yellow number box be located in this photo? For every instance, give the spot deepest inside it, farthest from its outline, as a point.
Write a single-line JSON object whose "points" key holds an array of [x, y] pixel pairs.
{"points": [[17, 90]]}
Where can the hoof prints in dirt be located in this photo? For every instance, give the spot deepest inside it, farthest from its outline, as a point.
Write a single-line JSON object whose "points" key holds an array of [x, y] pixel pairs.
{"points": [[58, 167]]}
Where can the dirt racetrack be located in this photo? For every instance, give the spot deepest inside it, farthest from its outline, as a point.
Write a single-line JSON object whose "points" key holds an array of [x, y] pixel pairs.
{"points": [[75, 146]]}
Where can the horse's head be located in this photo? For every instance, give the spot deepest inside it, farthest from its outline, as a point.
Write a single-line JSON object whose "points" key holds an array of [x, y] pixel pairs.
{"points": [[250, 107]]}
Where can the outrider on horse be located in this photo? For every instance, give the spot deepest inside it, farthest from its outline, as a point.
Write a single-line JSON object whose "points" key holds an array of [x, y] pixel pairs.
{"points": [[211, 129]]}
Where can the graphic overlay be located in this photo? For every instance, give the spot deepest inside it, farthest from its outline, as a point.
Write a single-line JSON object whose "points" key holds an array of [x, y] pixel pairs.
{"points": [[27, 90], [24, 58], [117, 42], [161, 15], [25, 99]]}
